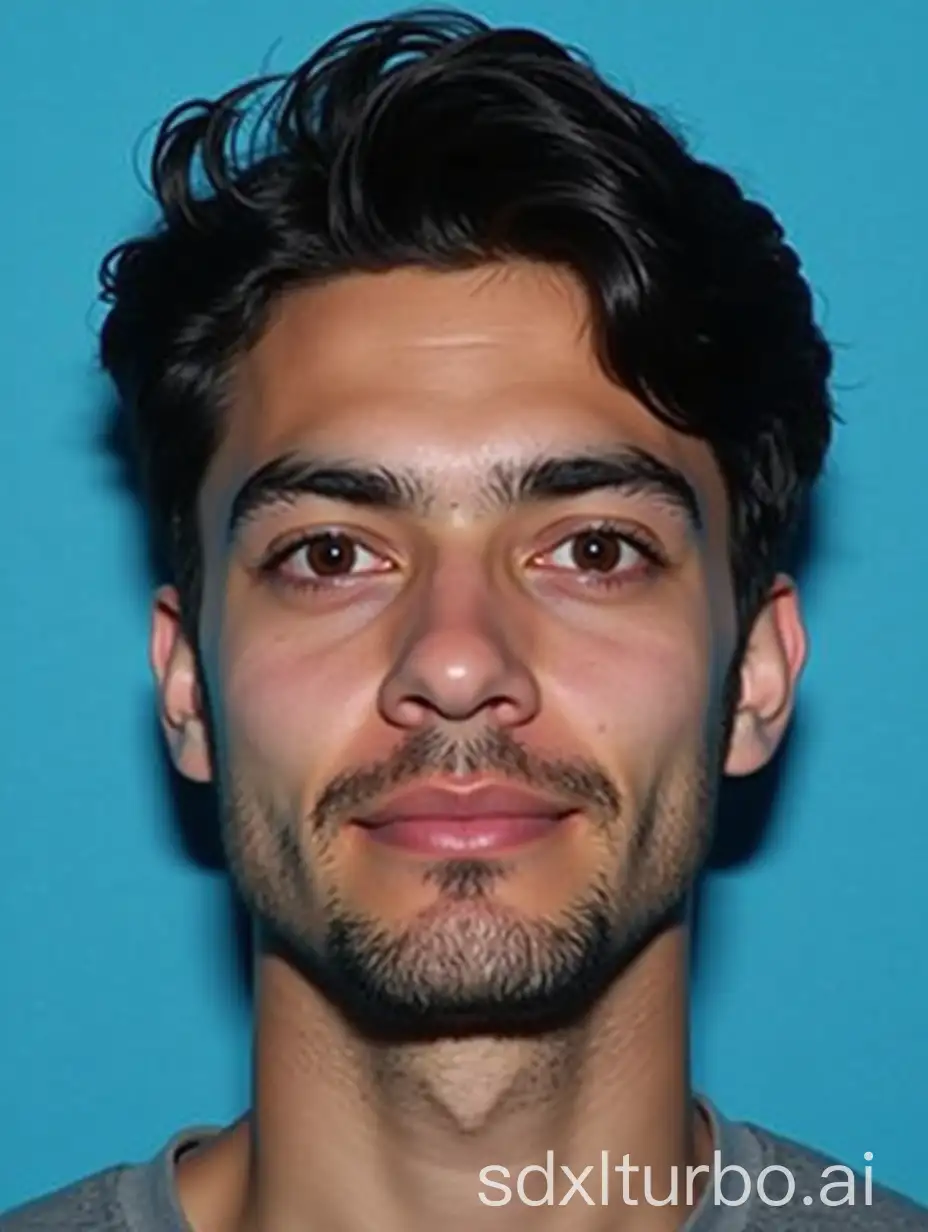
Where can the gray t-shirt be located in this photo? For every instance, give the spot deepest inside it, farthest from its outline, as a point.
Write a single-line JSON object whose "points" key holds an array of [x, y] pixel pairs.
{"points": [[772, 1184]]}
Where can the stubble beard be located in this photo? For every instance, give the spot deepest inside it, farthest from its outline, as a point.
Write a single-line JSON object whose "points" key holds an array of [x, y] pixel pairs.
{"points": [[469, 964]]}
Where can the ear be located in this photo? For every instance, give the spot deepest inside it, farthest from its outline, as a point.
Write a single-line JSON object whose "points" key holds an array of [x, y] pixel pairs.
{"points": [[181, 707], [770, 670]]}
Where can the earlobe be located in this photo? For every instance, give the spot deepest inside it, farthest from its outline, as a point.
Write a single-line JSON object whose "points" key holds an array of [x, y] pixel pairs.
{"points": [[181, 705], [770, 670]]}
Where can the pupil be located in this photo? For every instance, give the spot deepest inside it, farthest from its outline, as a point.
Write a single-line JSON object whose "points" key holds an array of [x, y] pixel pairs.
{"points": [[597, 550], [330, 553]]}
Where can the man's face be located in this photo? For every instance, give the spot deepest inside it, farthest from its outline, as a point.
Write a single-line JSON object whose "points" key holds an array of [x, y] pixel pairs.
{"points": [[412, 580]]}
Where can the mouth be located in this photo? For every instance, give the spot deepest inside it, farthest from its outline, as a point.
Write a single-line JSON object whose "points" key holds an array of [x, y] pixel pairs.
{"points": [[486, 820]]}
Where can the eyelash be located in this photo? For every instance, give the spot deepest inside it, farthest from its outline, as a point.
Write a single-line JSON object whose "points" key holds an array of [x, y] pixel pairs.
{"points": [[271, 566], [653, 558]]}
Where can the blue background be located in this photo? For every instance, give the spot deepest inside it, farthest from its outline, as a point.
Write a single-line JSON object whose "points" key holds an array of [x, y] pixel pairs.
{"points": [[122, 1009]]}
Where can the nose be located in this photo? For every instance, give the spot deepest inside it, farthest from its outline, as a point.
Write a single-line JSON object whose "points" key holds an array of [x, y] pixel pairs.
{"points": [[457, 660]]}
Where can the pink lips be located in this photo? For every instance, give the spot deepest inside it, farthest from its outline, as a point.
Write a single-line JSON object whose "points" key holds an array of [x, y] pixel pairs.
{"points": [[484, 820]]}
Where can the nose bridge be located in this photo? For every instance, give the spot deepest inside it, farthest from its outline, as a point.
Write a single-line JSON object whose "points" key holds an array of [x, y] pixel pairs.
{"points": [[459, 592], [459, 648], [459, 619]]}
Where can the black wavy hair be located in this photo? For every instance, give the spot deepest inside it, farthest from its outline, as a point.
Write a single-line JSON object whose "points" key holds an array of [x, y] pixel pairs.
{"points": [[433, 139]]}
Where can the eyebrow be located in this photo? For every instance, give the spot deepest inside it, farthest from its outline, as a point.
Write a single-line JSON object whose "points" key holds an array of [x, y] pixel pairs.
{"points": [[507, 485]]}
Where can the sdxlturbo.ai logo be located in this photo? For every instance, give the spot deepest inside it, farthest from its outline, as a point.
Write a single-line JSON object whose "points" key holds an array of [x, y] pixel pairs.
{"points": [[729, 1184]]}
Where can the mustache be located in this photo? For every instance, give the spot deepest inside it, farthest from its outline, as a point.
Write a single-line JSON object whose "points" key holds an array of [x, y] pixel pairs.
{"points": [[582, 783]]}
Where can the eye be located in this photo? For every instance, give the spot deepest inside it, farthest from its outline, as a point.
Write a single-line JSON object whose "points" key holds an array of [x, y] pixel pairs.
{"points": [[326, 557], [606, 554]]}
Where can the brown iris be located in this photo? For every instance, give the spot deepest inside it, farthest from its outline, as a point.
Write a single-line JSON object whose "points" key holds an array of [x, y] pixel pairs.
{"points": [[330, 555], [597, 550]]}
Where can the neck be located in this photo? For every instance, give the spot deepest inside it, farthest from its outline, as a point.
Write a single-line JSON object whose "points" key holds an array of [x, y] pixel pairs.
{"points": [[344, 1133]]}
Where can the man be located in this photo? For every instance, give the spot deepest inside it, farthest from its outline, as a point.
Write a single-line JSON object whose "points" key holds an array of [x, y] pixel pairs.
{"points": [[476, 416]]}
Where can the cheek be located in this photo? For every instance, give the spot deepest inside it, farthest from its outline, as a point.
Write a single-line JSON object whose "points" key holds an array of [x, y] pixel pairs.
{"points": [[285, 706], [645, 696]]}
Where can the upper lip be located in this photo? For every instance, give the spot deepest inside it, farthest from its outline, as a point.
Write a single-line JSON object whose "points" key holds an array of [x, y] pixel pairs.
{"points": [[488, 800]]}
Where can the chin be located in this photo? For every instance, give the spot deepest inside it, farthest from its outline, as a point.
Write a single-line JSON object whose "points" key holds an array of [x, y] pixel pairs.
{"points": [[468, 964]]}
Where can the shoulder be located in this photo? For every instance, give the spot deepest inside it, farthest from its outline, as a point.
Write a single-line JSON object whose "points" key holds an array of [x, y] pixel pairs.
{"points": [[127, 1197], [88, 1205], [826, 1193]]}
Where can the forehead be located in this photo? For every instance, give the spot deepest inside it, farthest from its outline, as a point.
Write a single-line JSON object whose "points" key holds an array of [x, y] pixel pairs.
{"points": [[444, 373]]}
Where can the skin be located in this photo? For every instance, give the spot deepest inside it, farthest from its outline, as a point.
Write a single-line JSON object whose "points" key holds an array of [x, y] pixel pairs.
{"points": [[473, 626]]}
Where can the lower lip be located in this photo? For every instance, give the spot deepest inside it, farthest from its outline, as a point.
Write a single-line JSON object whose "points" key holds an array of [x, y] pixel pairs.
{"points": [[454, 836]]}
